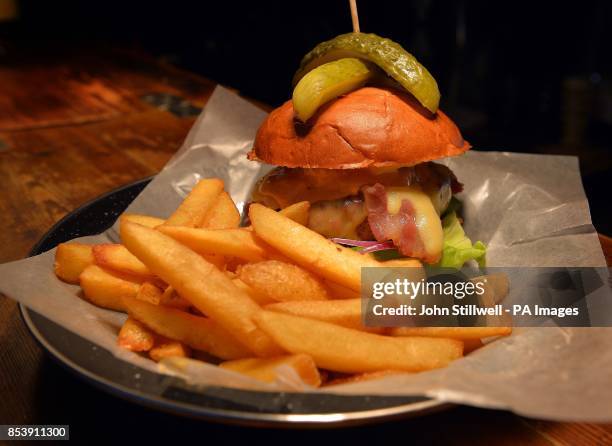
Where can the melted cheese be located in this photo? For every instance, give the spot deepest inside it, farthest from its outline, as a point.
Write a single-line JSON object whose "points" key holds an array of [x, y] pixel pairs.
{"points": [[427, 220]]}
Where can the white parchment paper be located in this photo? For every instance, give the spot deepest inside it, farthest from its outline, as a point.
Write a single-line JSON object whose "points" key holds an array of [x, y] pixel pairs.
{"points": [[531, 210]]}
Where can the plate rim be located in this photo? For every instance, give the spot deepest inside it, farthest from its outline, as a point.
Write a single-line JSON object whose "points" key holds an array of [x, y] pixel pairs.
{"points": [[245, 418]]}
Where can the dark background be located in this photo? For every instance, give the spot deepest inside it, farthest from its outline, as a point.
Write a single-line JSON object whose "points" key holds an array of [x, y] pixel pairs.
{"points": [[519, 76]]}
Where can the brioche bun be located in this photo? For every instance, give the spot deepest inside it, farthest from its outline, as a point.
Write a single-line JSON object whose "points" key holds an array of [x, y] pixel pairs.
{"points": [[369, 127]]}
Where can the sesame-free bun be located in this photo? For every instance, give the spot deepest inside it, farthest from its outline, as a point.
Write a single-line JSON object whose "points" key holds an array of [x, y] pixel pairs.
{"points": [[368, 127]]}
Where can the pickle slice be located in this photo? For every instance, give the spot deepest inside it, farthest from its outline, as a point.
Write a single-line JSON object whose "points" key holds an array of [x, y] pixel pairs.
{"points": [[387, 54], [327, 82]]}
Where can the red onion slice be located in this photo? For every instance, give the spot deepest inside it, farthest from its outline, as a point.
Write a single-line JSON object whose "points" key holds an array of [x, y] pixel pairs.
{"points": [[351, 242], [378, 247], [367, 245]]}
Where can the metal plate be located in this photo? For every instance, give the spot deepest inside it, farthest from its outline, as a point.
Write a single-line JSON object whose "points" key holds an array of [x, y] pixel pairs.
{"points": [[101, 368]]}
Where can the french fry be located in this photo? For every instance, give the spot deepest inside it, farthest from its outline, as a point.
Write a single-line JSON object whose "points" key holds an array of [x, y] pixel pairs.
{"points": [[223, 215], [71, 259], [461, 333], [121, 259], [148, 292], [266, 369], [492, 284], [298, 212], [469, 345], [360, 377], [134, 336], [340, 292], [260, 298], [233, 263], [228, 242], [201, 283], [105, 289], [197, 332], [398, 263], [281, 281], [499, 284], [346, 313], [309, 249], [168, 349], [496, 287], [145, 220], [218, 260], [171, 299], [197, 204], [117, 258], [351, 351]]}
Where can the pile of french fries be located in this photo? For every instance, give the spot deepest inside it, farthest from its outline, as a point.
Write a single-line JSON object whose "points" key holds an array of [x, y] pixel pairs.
{"points": [[250, 299]]}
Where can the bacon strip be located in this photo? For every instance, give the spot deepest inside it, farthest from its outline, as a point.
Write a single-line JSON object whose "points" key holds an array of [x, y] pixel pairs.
{"points": [[400, 228]]}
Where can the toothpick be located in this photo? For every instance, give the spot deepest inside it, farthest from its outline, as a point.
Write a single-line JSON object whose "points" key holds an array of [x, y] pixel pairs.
{"points": [[354, 15]]}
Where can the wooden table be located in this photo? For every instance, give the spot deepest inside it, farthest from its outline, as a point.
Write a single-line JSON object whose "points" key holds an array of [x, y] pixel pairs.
{"points": [[73, 126]]}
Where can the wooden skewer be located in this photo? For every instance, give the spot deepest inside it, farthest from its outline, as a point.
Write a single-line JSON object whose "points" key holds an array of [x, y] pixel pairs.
{"points": [[354, 15]]}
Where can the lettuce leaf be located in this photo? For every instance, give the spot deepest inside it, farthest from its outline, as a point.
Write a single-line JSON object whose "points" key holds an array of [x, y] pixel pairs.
{"points": [[382, 256], [388, 254], [458, 248]]}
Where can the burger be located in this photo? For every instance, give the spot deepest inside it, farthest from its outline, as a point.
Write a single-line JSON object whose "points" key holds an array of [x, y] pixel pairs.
{"points": [[365, 160]]}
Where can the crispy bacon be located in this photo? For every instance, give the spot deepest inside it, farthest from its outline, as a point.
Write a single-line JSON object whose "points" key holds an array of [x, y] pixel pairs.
{"points": [[400, 228]]}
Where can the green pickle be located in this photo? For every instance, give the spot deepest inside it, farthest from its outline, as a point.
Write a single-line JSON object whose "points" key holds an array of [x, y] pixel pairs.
{"points": [[327, 82], [387, 54]]}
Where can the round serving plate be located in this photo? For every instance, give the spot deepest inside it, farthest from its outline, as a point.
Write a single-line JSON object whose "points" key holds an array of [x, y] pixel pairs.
{"points": [[99, 367]]}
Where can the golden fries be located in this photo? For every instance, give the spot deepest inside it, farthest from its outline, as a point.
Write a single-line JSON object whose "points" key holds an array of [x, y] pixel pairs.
{"points": [[309, 249], [492, 284], [135, 337], [223, 215], [275, 296], [117, 258], [171, 299], [145, 220], [498, 285], [218, 260], [340, 292], [282, 281], [470, 345], [106, 289], [267, 369], [346, 313], [261, 299], [148, 292], [70, 261], [168, 349], [351, 351], [230, 242], [298, 212], [201, 283], [399, 263], [197, 332], [197, 204], [360, 377], [461, 333]]}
